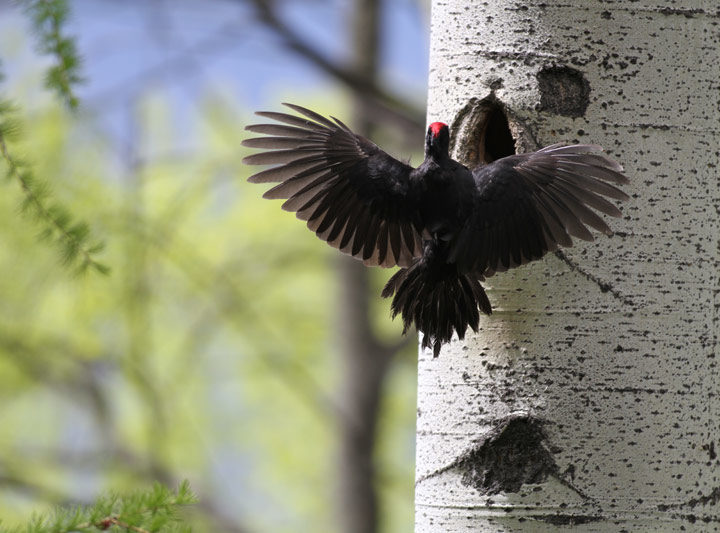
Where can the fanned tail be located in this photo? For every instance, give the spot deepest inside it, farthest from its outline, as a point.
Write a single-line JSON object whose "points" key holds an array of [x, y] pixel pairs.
{"points": [[438, 299]]}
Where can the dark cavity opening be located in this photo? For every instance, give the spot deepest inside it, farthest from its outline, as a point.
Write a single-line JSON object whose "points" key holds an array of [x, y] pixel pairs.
{"points": [[481, 132], [498, 141]]}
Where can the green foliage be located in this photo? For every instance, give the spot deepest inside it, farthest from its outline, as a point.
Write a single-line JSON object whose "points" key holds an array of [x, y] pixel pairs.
{"points": [[48, 18], [208, 355], [57, 224], [155, 510]]}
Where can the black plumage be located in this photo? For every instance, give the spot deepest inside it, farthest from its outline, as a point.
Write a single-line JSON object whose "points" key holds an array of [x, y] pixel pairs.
{"points": [[448, 227]]}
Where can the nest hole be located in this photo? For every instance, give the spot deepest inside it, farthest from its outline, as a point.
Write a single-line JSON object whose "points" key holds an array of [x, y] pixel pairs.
{"points": [[484, 132], [496, 139]]}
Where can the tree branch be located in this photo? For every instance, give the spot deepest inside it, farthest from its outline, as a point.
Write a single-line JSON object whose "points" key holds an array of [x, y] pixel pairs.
{"points": [[73, 236], [386, 107]]}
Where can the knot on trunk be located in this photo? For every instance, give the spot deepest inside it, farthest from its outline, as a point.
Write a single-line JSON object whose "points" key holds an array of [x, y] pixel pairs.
{"points": [[563, 91], [513, 454]]}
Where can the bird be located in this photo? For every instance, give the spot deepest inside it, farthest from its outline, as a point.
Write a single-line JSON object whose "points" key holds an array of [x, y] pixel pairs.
{"points": [[447, 227]]}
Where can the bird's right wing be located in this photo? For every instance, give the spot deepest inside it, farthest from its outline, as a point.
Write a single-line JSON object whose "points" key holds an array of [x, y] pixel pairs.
{"points": [[352, 194], [529, 204]]}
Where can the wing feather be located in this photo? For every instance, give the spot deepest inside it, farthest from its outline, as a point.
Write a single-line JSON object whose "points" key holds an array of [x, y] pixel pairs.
{"points": [[275, 143], [352, 195], [312, 115], [395, 241], [529, 204]]}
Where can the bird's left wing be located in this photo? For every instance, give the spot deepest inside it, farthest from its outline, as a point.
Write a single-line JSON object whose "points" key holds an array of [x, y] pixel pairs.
{"points": [[526, 205], [352, 194]]}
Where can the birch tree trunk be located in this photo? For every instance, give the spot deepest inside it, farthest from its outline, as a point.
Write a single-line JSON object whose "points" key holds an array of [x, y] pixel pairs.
{"points": [[590, 396]]}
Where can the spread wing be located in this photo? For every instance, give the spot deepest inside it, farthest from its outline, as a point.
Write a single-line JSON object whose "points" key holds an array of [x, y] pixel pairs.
{"points": [[529, 204], [352, 194]]}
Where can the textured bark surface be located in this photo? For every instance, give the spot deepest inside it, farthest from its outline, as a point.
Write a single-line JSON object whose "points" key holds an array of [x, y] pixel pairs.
{"points": [[590, 397]]}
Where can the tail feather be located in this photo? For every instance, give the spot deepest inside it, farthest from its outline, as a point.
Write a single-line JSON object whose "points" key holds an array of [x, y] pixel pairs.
{"points": [[438, 300]]}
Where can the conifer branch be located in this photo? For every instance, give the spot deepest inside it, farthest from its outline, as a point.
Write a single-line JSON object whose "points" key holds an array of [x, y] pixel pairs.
{"points": [[48, 18], [72, 236], [142, 512], [108, 522]]}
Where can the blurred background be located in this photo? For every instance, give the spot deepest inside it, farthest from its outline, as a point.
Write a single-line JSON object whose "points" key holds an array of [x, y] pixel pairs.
{"points": [[228, 345]]}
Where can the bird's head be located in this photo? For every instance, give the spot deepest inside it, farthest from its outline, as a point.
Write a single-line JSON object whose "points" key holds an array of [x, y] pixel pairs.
{"points": [[437, 140]]}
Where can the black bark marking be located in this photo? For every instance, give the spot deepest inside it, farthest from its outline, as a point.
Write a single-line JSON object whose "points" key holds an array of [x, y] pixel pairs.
{"points": [[711, 499], [710, 448], [568, 519], [603, 285], [563, 91], [513, 454], [687, 13], [495, 83]]}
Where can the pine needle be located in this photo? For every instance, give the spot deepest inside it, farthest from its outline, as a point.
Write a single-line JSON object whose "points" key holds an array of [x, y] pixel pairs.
{"points": [[48, 19], [155, 510], [56, 223]]}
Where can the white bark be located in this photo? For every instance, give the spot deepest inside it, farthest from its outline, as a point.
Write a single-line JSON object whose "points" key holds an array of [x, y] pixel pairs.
{"points": [[597, 387]]}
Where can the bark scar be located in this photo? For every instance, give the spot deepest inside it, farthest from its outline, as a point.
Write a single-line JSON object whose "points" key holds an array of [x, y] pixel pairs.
{"points": [[514, 453], [710, 499], [604, 286], [563, 91]]}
